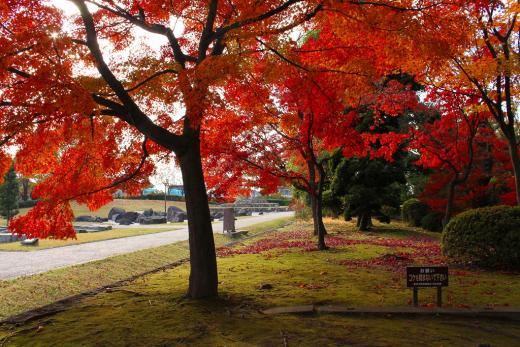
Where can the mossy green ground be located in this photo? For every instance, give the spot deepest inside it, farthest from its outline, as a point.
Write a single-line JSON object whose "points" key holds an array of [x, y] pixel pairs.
{"points": [[152, 311], [87, 237], [30, 292]]}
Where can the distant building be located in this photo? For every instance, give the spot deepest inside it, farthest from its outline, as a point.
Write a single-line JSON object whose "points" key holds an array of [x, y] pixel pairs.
{"points": [[148, 191], [176, 190], [286, 192]]}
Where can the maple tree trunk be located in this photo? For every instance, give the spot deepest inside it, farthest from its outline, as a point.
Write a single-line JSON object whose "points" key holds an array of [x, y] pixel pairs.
{"points": [[319, 222], [515, 160], [317, 219], [316, 206], [449, 203], [203, 281], [314, 214], [25, 188]]}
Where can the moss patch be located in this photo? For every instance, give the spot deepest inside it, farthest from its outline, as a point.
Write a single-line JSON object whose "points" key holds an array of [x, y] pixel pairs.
{"points": [[34, 291]]}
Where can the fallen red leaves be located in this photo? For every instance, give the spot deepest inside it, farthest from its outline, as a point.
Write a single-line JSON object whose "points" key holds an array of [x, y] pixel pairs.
{"points": [[423, 248]]}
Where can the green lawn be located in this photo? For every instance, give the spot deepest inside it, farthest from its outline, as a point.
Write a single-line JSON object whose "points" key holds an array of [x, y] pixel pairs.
{"points": [[358, 271], [87, 237], [29, 292]]}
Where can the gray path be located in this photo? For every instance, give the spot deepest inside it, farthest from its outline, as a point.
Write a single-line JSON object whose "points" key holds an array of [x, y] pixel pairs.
{"points": [[16, 264]]}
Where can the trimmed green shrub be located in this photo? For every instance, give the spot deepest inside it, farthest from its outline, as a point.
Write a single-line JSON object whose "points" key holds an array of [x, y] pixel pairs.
{"points": [[488, 237], [432, 222], [413, 211]]}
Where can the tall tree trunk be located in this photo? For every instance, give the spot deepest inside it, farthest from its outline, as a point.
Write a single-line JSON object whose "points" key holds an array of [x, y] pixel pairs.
{"points": [[316, 197], [515, 160], [449, 203], [314, 209], [203, 276], [25, 188], [365, 222], [319, 221], [319, 199]]}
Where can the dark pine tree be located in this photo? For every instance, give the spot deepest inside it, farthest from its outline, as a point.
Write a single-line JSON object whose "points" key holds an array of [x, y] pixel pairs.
{"points": [[9, 192]]}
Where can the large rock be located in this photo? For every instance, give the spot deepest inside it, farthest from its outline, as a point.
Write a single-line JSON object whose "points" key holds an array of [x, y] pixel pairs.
{"points": [[91, 219], [114, 217], [217, 215], [9, 237], [127, 217], [174, 214], [115, 210], [30, 242], [91, 228], [125, 222], [178, 217], [152, 220]]}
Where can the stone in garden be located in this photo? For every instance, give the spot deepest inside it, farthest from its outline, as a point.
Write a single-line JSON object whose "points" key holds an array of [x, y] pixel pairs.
{"points": [[8, 237], [127, 216], [91, 228], [152, 220], [115, 210], [173, 212], [217, 215], [125, 221], [178, 217], [91, 219], [30, 242]]}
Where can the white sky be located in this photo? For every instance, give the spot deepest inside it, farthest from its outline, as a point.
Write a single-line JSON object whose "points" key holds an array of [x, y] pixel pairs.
{"points": [[165, 170], [155, 41]]}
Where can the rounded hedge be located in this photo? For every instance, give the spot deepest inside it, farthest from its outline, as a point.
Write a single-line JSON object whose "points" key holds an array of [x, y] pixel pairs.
{"points": [[432, 222], [488, 237], [413, 211]]}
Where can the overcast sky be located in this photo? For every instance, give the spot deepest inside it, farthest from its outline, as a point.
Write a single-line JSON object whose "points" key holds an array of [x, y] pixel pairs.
{"points": [[166, 171]]}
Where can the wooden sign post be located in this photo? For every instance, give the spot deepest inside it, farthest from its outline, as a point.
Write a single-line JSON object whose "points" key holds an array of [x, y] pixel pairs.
{"points": [[426, 276]]}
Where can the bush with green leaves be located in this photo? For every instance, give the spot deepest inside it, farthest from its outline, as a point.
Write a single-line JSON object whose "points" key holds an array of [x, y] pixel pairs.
{"points": [[413, 210], [487, 237], [432, 222]]}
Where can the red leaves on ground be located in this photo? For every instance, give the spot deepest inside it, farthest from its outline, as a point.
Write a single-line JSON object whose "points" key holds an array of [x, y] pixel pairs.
{"points": [[423, 248]]}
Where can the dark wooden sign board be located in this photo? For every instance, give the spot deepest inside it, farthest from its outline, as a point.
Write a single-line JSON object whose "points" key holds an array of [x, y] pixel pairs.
{"points": [[425, 277]]}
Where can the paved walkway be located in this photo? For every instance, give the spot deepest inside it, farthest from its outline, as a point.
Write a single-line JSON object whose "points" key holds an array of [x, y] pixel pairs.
{"points": [[16, 264]]}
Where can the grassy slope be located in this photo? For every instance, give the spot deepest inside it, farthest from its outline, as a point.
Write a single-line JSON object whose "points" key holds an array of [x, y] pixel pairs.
{"points": [[86, 237], [152, 312]]}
